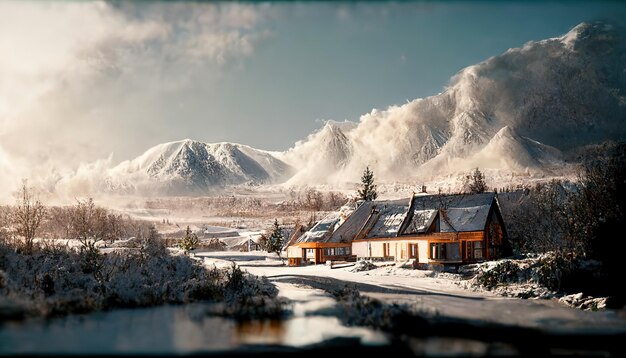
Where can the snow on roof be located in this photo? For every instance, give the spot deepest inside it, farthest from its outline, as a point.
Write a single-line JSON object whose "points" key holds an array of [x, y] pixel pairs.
{"points": [[236, 241], [461, 212], [325, 228], [465, 212], [321, 229], [390, 217], [420, 221], [465, 219], [351, 227]]}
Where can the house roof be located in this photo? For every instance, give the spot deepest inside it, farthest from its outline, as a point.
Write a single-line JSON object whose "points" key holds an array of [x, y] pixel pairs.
{"points": [[353, 224], [324, 230], [236, 241], [389, 217], [392, 218], [460, 212], [420, 221], [320, 231]]}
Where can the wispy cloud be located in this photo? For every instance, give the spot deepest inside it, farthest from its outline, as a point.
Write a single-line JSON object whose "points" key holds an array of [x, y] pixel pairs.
{"points": [[77, 79]]}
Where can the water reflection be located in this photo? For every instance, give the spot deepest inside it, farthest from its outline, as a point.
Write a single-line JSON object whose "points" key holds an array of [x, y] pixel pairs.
{"points": [[166, 330], [260, 332]]}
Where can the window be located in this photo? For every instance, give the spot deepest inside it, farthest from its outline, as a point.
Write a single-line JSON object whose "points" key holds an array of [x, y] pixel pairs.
{"points": [[329, 251], [413, 250], [472, 250], [478, 249], [341, 251], [438, 251]]}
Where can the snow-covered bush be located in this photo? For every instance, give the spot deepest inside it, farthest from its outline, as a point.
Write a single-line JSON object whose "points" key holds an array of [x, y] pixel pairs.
{"points": [[357, 310], [363, 265], [56, 281], [505, 271], [248, 297], [543, 276]]}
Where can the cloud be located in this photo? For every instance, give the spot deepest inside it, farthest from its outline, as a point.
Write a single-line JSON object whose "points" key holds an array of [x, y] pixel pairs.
{"points": [[81, 80]]}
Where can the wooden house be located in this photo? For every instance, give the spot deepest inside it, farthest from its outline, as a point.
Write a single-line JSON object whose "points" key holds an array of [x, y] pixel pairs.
{"points": [[432, 229]]}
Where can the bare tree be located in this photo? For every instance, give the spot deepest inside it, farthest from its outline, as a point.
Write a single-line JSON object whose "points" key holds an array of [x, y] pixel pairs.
{"points": [[89, 223], [334, 200], [27, 215], [598, 208]]}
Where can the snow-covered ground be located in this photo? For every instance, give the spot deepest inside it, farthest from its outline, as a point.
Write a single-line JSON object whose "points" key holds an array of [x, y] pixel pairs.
{"points": [[431, 293]]}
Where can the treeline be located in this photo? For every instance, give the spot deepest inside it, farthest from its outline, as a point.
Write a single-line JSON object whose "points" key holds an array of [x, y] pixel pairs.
{"points": [[86, 222], [583, 219], [310, 199], [300, 199]]}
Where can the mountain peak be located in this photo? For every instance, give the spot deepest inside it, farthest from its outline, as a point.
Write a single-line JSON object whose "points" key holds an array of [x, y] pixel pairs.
{"points": [[587, 32]]}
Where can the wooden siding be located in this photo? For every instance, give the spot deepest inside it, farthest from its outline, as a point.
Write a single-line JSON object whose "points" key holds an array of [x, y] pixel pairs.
{"points": [[295, 253], [435, 237], [398, 248], [319, 245]]}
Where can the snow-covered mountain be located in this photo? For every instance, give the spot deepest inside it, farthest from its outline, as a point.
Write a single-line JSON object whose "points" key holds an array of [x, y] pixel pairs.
{"points": [[189, 166], [520, 111], [513, 112]]}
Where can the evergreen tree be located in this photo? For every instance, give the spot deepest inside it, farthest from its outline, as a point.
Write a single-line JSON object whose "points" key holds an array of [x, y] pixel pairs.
{"points": [[190, 241], [275, 240], [368, 188], [475, 183]]}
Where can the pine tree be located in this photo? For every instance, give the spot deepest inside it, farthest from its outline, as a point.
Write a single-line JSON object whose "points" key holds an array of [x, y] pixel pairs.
{"points": [[368, 188], [475, 183], [275, 240]]}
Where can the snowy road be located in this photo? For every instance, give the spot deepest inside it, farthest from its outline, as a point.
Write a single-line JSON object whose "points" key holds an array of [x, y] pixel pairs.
{"points": [[440, 296]]}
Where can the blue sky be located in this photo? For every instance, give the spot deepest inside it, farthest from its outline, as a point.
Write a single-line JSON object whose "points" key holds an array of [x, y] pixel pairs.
{"points": [[87, 79], [329, 61]]}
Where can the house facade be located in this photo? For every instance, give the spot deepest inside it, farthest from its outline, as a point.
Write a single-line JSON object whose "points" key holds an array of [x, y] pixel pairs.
{"points": [[430, 229]]}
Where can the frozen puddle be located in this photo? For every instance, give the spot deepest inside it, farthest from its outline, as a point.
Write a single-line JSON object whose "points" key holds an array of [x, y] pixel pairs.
{"points": [[180, 329]]}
